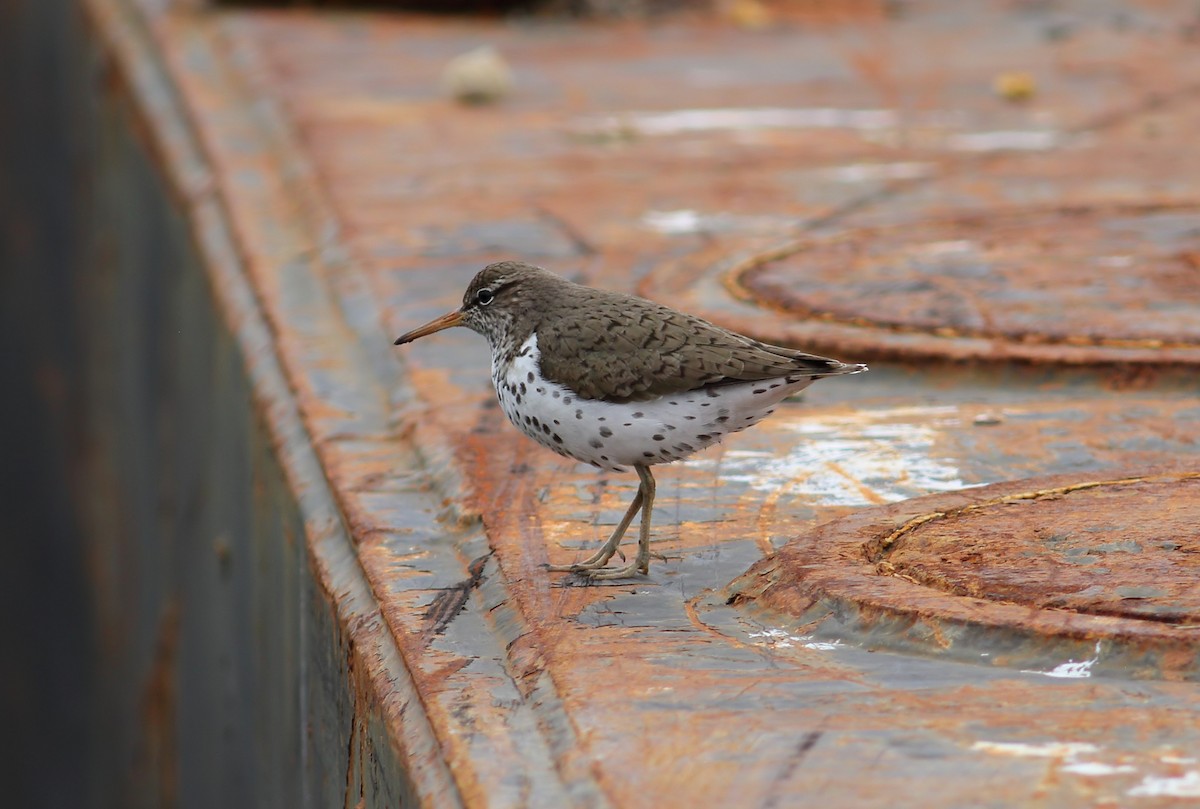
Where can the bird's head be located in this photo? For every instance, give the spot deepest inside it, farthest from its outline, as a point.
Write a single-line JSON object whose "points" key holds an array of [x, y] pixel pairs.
{"points": [[501, 300]]}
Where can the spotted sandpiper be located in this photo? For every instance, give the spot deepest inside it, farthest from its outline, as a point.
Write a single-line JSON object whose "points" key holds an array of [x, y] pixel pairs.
{"points": [[618, 381]]}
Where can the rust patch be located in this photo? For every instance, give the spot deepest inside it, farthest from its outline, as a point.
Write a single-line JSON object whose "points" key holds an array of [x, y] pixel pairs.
{"points": [[157, 767], [1097, 278], [1116, 547], [1007, 565]]}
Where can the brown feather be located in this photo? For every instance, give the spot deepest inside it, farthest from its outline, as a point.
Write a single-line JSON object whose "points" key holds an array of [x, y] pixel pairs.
{"points": [[622, 348]]}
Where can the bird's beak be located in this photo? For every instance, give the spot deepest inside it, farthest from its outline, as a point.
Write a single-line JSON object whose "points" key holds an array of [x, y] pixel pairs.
{"points": [[444, 322]]}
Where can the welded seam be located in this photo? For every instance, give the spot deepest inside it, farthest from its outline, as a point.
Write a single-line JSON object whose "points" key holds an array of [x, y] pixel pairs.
{"points": [[876, 551]]}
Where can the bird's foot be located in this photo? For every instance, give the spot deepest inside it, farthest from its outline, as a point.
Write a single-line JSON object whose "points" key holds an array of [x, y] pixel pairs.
{"points": [[632, 570], [596, 562], [594, 568]]}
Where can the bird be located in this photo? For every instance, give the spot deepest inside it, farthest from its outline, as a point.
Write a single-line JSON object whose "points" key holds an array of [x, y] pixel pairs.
{"points": [[620, 382]]}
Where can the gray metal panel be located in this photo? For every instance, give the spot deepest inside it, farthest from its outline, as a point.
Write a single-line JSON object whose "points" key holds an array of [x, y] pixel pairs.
{"points": [[171, 643]]}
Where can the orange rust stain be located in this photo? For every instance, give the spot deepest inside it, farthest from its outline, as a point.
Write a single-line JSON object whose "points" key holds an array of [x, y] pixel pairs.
{"points": [[1031, 495], [828, 564], [157, 764]]}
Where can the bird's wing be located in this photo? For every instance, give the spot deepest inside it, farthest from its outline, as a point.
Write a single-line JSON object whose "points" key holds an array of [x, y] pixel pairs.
{"points": [[629, 349]]}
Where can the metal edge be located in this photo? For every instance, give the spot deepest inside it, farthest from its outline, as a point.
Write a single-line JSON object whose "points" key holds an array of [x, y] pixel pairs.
{"points": [[123, 27]]}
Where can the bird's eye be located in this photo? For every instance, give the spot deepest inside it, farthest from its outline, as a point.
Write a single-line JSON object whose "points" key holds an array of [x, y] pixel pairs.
{"points": [[484, 296]]}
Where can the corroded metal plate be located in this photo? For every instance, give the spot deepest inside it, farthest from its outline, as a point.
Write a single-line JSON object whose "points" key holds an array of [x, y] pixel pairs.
{"points": [[1126, 548], [1082, 284], [1099, 569], [363, 202], [1117, 276]]}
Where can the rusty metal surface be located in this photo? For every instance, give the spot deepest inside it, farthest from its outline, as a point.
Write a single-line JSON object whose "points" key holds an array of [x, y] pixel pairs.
{"points": [[1098, 570], [1139, 528], [662, 158], [236, 655], [1083, 279]]}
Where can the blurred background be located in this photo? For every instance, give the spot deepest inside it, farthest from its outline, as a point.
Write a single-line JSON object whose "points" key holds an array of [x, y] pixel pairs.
{"points": [[231, 507]]}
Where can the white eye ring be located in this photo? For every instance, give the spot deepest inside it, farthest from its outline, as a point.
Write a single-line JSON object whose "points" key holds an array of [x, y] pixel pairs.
{"points": [[484, 296]]}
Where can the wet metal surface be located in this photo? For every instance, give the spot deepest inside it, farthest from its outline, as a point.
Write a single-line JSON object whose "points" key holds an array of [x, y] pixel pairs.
{"points": [[671, 159]]}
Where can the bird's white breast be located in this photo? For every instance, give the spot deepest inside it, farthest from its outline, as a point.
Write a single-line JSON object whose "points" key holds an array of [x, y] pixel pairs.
{"points": [[616, 435]]}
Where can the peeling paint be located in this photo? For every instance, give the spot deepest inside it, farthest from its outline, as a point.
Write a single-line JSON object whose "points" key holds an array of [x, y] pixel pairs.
{"points": [[1040, 750], [1181, 786], [1096, 768], [873, 456], [677, 122], [782, 639], [874, 172], [1032, 140], [686, 222], [1072, 669]]}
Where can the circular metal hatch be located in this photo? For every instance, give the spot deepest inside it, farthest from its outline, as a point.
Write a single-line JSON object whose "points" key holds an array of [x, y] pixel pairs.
{"points": [[1020, 574], [1103, 284], [1126, 548], [1125, 277]]}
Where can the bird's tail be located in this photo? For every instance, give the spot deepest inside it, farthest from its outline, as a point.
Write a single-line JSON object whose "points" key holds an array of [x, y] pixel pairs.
{"points": [[843, 368]]}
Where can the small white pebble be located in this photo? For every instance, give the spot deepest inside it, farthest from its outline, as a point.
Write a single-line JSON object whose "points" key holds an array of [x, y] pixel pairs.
{"points": [[480, 76]]}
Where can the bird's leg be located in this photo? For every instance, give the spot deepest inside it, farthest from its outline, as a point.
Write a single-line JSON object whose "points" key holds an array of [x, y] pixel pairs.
{"points": [[641, 563], [648, 489], [601, 557]]}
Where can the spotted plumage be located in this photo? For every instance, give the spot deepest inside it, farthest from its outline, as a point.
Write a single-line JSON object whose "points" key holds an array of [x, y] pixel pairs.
{"points": [[618, 381]]}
